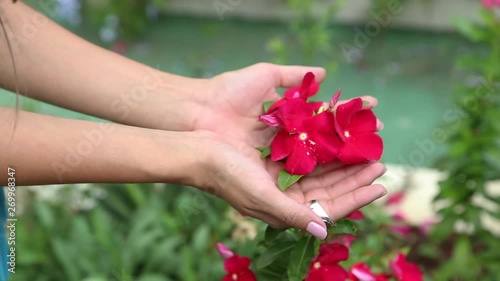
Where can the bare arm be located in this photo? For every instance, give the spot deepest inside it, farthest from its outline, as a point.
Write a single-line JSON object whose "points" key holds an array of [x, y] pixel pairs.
{"points": [[45, 149], [60, 68]]}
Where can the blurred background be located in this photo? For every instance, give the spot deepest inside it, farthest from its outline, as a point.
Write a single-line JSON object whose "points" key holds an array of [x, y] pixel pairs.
{"points": [[420, 58]]}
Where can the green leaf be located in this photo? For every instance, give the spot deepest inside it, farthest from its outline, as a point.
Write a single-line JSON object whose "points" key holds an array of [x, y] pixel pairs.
{"points": [[285, 179], [345, 226], [301, 258], [268, 104], [469, 29], [265, 151], [274, 252], [152, 277], [272, 233]]}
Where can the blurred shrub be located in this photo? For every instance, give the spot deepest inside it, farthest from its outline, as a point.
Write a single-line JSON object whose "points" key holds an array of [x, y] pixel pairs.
{"points": [[135, 232], [309, 33], [472, 163]]}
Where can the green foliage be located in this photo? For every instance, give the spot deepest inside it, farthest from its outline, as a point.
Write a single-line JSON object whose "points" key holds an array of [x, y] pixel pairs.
{"points": [[471, 162], [137, 232], [309, 33], [300, 258], [285, 179], [128, 19]]}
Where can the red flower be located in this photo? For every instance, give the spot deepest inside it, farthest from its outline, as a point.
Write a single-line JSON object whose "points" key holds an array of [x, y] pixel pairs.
{"points": [[361, 272], [403, 230], [404, 270], [356, 128], [305, 139], [395, 198], [356, 215], [237, 269], [325, 266], [344, 239], [308, 88]]}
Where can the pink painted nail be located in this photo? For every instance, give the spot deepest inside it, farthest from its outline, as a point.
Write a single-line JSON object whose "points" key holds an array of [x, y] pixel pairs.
{"points": [[317, 230]]}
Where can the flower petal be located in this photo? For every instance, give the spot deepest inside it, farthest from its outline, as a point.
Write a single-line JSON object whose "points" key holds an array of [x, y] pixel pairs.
{"points": [[247, 275], [316, 105], [364, 121], [404, 270], [282, 145], [301, 161], [330, 253], [314, 274], [362, 272], [322, 137], [292, 93], [236, 264], [395, 198], [276, 105], [345, 113], [271, 119], [344, 239], [333, 272], [335, 98], [224, 251], [361, 148], [293, 113], [309, 86], [356, 215]]}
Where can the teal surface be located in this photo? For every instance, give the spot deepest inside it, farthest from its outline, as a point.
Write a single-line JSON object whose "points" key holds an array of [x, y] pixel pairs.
{"points": [[411, 73]]}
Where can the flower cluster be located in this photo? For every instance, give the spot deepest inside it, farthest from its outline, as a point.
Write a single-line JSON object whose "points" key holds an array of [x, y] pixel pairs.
{"points": [[237, 267], [312, 133], [325, 266]]}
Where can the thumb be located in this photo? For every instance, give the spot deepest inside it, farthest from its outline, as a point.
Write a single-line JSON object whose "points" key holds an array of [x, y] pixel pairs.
{"points": [[294, 214], [287, 76]]}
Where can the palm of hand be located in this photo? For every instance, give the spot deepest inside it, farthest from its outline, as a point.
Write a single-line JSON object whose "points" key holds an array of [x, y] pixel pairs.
{"points": [[235, 103], [231, 110]]}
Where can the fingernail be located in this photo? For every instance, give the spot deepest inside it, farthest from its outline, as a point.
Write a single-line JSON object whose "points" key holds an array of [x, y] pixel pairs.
{"points": [[380, 125], [317, 230], [383, 192]]}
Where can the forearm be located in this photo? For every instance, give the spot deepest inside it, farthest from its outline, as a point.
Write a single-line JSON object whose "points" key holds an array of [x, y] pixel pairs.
{"points": [[44, 150], [60, 68]]}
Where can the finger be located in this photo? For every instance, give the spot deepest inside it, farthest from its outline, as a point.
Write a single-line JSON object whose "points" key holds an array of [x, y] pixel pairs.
{"points": [[291, 76], [342, 206], [324, 168], [292, 213], [380, 125], [329, 178], [369, 102], [363, 177]]}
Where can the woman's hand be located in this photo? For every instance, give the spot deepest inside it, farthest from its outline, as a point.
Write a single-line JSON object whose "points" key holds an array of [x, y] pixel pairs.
{"points": [[232, 102], [234, 171]]}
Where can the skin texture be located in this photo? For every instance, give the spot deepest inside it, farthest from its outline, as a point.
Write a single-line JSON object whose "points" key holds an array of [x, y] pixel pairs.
{"points": [[172, 126]]}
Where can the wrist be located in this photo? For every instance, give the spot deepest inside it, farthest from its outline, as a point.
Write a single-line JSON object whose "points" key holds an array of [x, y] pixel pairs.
{"points": [[177, 157], [172, 102]]}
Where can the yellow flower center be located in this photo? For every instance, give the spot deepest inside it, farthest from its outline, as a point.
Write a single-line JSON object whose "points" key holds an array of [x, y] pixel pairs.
{"points": [[346, 134], [303, 136], [235, 276], [317, 265]]}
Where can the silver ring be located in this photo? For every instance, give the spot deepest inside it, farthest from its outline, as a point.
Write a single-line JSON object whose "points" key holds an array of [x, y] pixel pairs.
{"points": [[318, 210]]}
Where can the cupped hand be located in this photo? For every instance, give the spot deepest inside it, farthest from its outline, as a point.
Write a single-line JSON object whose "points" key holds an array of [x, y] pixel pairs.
{"points": [[235, 172], [229, 111], [232, 102]]}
